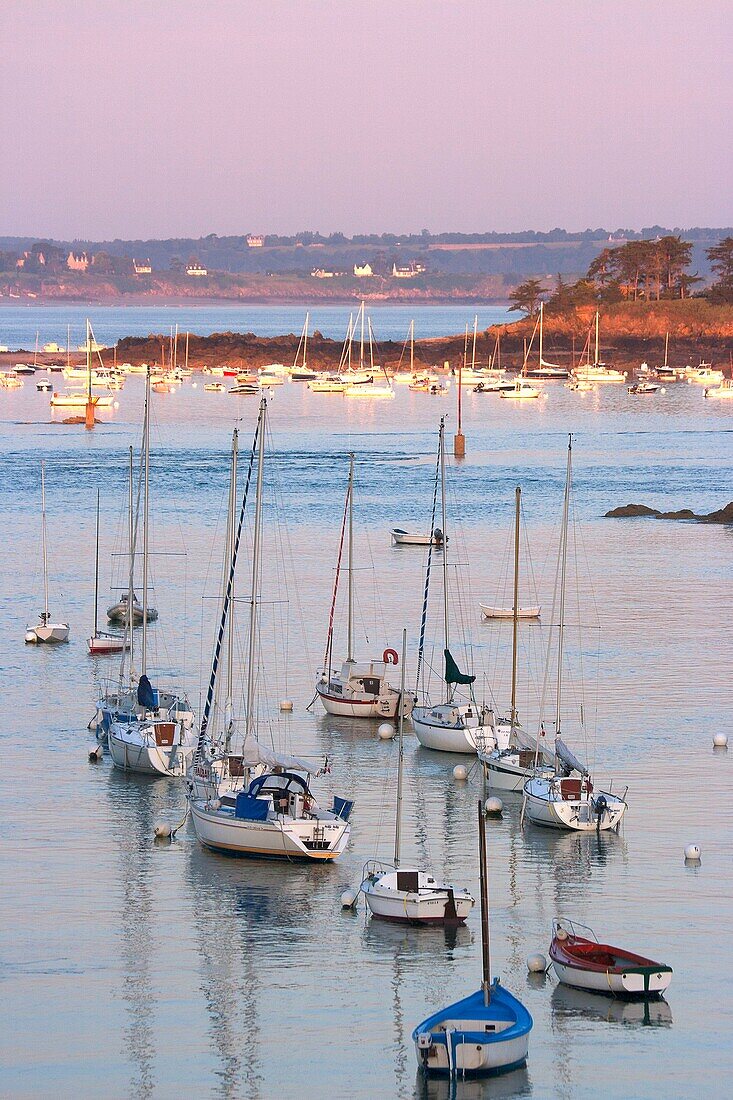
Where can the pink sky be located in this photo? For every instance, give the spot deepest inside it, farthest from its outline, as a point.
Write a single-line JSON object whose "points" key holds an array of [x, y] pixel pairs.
{"points": [[184, 117]]}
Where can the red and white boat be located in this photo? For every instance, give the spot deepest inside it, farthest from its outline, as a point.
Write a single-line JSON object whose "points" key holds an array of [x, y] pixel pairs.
{"points": [[584, 963]]}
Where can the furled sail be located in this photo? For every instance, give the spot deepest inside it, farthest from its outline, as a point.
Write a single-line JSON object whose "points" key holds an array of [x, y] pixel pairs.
{"points": [[453, 674], [563, 753]]}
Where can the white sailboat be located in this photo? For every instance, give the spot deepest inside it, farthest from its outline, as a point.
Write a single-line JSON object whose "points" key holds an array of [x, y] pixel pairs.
{"points": [[563, 800], [46, 630], [300, 372], [514, 756], [149, 731], [275, 813], [456, 725], [362, 382], [597, 371], [408, 895], [544, 370], [102, 642], [359, 689]]}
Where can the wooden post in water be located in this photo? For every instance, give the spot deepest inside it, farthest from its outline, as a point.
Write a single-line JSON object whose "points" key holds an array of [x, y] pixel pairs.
{"points": [[89, 408], [485, 935], [459, 439]]}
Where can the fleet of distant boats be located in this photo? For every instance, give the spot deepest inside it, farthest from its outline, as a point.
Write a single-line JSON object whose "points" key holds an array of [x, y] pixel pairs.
{"points": [[248, 797]]}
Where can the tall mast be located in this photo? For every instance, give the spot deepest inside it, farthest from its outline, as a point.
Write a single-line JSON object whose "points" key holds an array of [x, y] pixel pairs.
{"points": [[412, 347], [231, 533], [475, 333], [666, 347], [186, 350], [563, 574], [597, 340], [485, 931], [131, 576], [68, 347], [400, 758], [515, 616], [89, 362], [175, 349], [445, 536], [256, 539], [350, 338], [542, 314], [146, 512], [305, 340], [35, 353], [350, 569], [43, 540], [361, 345], [96, 571]]}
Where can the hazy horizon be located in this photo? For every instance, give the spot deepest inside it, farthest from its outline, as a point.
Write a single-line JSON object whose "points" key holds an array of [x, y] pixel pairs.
{"points": [[153, 121]]}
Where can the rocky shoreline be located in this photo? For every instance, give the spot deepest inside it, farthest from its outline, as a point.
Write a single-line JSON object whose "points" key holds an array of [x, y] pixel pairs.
{"points": [[642, 511]]}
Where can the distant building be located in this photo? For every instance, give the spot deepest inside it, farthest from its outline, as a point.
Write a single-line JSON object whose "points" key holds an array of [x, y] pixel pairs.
{"points": [[255, 241], [195, 269], [77, 261], [142, 267], [409, 271], [319, 273], [363, 271]]}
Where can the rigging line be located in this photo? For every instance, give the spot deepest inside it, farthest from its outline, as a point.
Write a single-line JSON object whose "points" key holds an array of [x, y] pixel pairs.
{"points": [[423, 619], [228, 595], [329, 636]]}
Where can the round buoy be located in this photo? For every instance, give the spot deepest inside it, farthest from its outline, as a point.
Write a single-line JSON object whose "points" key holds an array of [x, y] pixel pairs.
{"points": [[663, 390], [194, 385], [536, 964], [162, 830], [348, 899], [494, 806], [460, 772], [692, 852], [720, 740], [96, 754], [386, 731], [30, 637], [286, 704]]}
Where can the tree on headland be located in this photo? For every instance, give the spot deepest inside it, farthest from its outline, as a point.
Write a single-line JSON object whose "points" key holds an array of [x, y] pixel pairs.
{"points": [[721, 261], [526, 297]]}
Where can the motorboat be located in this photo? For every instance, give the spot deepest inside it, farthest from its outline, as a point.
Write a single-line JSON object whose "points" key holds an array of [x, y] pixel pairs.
{"points": [[327, 383], [118, 612], [495, 385], [704, 374], [213, 387], [10, 379], [724, 390], [407, 538], [580, 385], [360, 688], [485, 1033], [640, 388], [46, 631], [44, 385], [244, 389], [581, 962]]}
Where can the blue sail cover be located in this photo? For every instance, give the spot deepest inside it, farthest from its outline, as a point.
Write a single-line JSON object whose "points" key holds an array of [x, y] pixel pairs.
{"points": [[146, 696], [453, 674]]}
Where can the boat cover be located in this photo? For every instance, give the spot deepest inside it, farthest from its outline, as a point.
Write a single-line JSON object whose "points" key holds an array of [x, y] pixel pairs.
{"points": [[254, 753], [564, 754], [453, 674], [146, 695]]}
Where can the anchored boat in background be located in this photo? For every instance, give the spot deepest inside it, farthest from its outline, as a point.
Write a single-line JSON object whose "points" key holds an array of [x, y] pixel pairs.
{"points": [[46, 631]]}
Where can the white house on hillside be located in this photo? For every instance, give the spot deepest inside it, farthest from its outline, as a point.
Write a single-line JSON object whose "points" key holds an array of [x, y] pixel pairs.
{"points": [[363, 271]]}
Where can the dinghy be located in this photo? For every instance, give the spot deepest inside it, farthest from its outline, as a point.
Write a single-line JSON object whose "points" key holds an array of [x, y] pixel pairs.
{"points": [[483, 1034], [46, 631], [490, 612], [406, 538], [584, 963], [407, 895]]}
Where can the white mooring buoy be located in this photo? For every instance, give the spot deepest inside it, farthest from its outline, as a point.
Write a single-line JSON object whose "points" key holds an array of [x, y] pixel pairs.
{"points": [[494, 806], [692, 852], [720, 740], [536, 964], [286, 705], [162, 830], [460, 772], [96, 754], [386, 731], [348, 899]]}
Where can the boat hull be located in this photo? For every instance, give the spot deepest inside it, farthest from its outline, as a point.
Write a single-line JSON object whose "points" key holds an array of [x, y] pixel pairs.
{"points": [[423, 903], [133, 748], [571, 814], [262, 839], [508, 612], [47, 634], [446, 739], [611, 984]]}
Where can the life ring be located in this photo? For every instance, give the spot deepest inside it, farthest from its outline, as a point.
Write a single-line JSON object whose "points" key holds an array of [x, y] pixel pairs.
{"points": [[390, 657]]}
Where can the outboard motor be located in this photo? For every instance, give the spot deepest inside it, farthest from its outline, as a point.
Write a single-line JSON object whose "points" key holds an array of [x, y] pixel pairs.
{"points": [[438, 536], [600, 805]]}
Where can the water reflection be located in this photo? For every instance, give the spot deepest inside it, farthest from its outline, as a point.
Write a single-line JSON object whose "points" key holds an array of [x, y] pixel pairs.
{"points": [[570, 1005], [514, 1084]]}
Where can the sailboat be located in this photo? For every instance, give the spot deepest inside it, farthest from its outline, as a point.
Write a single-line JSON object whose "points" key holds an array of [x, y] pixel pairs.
{"points": [[337, 383], [597, 371], [485, 1033], [76, 399], [152, 732], [514, 756], [46, 631], [361, 688], [274, 814], [544, 370], [407, 895], [362, 383], [102, 641], [299, 371], [454, 725], [563, 800]]}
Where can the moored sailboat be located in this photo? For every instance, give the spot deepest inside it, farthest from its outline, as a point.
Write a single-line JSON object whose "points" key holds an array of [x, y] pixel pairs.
{"points": [[46, 630], [102, 642]]}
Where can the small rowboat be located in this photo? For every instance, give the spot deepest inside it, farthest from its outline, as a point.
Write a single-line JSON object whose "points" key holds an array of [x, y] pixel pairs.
{"points": [[508, 612], [100, 644], [244, 389], [405, 538], [587, 964], [213, 387]]}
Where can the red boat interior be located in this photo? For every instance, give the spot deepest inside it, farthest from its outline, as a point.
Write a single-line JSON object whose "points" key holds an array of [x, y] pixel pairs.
{"points": [[586, 953]]}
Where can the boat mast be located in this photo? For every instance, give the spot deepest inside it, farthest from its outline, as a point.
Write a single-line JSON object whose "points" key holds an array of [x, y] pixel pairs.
{"points": [[68, 347], [350, 565], [666, 347], [35, 353], [131, 577], [445, 536], [412, 347], [400, 757], [542, 315], [146, 457], [96, 572], [231, 537], [89, 362], [43, 540], [515, 615], [305, 340], [563, 575], [475, 334], [187, 350], [361, 344], [485, 932], [350, 339], [256, 539], [598, 315]]}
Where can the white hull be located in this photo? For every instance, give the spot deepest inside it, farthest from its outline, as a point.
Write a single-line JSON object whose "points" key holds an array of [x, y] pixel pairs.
{"points": [[404, 538], [133, 747], [101, 644], [476, 1060], [508, 612], [572, 814], [430, 903], [381, 706], [275, 839], [47, 634], [622, 985], [368, 390], [443, 738]]}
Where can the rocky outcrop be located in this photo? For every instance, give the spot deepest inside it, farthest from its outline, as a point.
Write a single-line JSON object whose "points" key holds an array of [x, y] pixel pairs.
{"points": [[636, 511]]}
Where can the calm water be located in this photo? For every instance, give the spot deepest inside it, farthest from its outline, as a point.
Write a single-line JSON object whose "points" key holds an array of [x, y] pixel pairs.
{"points": [[168, 971], [20, 323]]}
